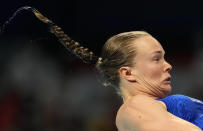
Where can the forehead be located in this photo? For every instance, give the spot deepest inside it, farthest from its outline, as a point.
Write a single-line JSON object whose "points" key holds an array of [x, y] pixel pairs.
{"points": [[148, 45]]}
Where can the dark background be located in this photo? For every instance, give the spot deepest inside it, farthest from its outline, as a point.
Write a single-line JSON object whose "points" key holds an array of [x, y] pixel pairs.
{"points": [[44, 87]]}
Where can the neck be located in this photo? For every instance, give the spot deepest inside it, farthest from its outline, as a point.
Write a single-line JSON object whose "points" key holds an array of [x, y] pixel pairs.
{"points": [[131, 90]]}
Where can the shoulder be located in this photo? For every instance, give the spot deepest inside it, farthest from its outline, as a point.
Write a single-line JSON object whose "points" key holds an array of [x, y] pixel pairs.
{"points": [[143, 114], [136, 112], [141, 103]]}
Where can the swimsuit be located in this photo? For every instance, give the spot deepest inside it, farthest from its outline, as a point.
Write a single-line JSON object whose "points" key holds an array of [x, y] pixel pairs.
{"points": [[185, 107]]}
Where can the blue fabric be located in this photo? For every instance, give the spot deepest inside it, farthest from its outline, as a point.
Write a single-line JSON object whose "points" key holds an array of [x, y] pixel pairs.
{"points": [[185, 107]]}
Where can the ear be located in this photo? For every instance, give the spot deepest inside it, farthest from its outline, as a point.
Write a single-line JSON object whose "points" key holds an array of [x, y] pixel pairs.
{"points": [[126, 73]]}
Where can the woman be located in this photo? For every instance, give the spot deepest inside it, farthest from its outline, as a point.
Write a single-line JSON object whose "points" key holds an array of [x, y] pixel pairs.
{"points": [[133, 63], [142, 76]]}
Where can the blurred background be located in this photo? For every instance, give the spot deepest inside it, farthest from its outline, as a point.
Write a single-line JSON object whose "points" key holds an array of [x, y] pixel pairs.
{"points": [[45, 88]]}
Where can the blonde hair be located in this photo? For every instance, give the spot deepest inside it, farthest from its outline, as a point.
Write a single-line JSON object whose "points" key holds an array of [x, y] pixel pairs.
{"points": [[118, 51]]}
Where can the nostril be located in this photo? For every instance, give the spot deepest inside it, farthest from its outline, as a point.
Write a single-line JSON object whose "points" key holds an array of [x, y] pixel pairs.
{"points": [[168, 67]]}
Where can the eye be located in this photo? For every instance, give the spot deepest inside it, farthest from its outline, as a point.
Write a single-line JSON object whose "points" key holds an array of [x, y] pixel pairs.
{"points": [[156, 59]]}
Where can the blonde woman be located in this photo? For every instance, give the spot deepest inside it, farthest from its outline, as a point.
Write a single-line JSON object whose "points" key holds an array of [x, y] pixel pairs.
{"points": [[133, 63]]}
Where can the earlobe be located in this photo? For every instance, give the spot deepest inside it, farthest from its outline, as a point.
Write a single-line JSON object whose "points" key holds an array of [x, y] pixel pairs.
{"points": [[126, 73]]}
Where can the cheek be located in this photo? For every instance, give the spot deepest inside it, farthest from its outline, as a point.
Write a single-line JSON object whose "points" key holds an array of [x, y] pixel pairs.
{"points": [[152, 71]]}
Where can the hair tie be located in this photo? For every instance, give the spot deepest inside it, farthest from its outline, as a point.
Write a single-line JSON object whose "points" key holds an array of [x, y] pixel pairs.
{"points": [[100, 60]]}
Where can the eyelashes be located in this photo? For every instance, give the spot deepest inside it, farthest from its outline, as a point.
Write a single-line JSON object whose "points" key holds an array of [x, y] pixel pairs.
{"points": [[156, 59]]}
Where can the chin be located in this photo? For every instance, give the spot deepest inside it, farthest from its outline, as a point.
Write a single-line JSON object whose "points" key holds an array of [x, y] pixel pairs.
{"points": [[167, 89]]}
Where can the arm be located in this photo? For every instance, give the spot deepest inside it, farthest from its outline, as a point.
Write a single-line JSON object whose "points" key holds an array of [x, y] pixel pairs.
{"points": [[177, 124]]}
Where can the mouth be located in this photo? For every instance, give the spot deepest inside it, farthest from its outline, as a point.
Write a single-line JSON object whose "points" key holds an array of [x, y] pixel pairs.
{"points": [[167, 80]]}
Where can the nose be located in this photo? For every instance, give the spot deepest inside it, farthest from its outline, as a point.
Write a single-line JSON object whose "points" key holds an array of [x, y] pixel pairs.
{"points": [[167, 66]]}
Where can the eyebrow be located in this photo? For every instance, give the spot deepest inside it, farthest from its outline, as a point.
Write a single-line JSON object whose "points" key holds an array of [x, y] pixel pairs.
{"points": [[159, 52]]}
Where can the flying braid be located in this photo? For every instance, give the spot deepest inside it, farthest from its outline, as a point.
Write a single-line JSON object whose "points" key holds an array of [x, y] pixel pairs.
{"points": [[73, 46]]}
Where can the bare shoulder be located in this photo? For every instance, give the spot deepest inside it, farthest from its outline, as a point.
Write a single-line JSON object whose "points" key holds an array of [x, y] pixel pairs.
{"points": [[136, 112], [142, 113], [142, 103]]}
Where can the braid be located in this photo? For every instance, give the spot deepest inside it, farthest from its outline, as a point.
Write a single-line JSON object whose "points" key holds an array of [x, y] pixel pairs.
{"points": [[73, 46], [12, 17]]}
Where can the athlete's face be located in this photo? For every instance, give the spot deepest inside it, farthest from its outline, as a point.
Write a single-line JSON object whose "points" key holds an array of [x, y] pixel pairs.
{"points": [[151, 67]]}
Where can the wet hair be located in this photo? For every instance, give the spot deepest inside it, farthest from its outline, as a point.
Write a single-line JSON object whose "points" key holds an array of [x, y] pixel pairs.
{"points": [[118, 50]]}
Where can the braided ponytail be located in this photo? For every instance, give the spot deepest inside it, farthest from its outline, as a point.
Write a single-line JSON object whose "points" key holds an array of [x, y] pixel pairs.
{"points": [[72, 46], [118, 50]]}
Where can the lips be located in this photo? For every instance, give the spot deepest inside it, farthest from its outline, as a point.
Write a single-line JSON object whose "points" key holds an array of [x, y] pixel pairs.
{"points": [[167, 80]]}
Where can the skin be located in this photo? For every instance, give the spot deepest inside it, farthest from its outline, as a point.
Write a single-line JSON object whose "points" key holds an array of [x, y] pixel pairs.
{"points": [[141, 85], [148, 76]]}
